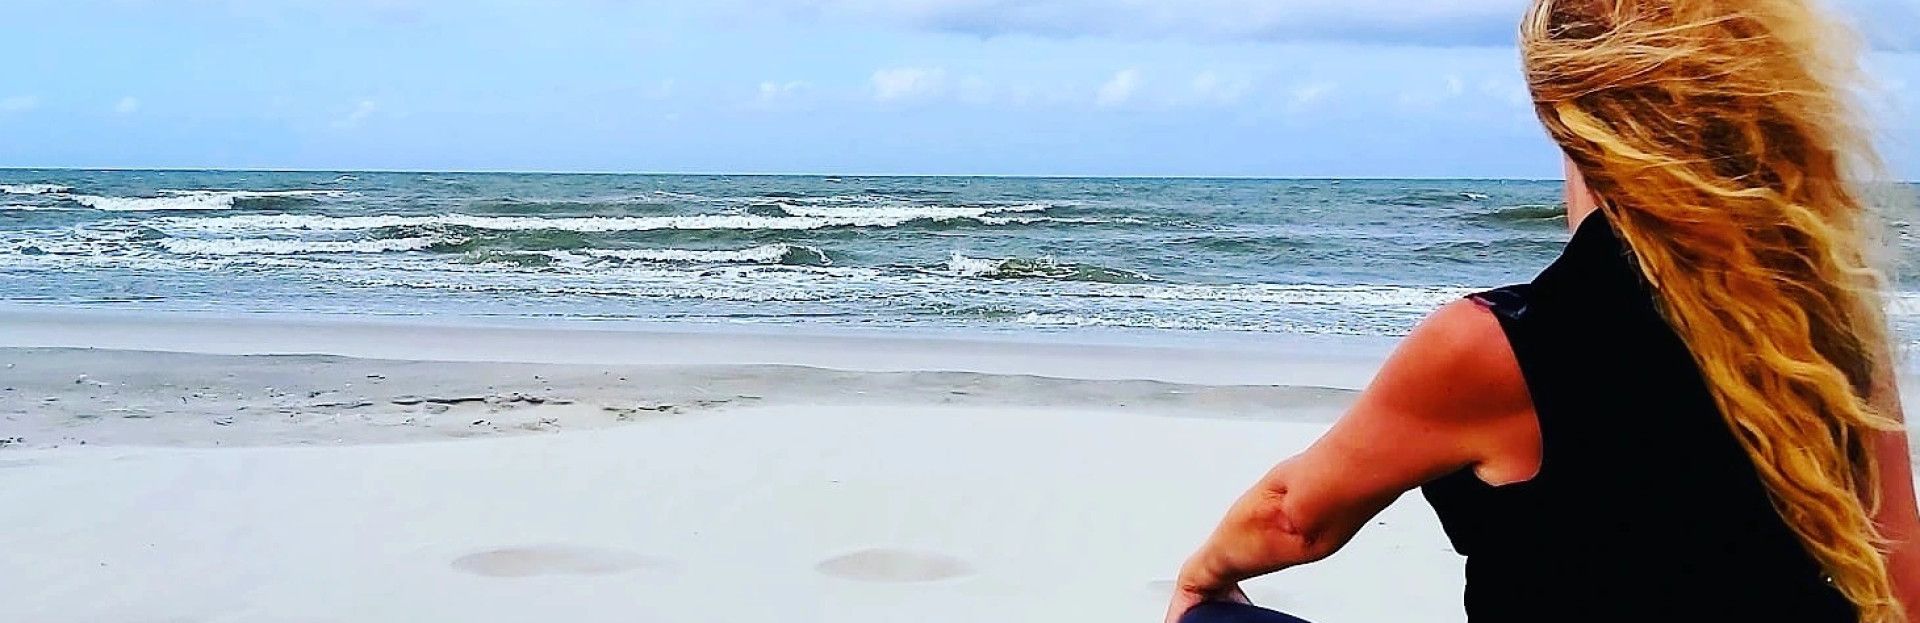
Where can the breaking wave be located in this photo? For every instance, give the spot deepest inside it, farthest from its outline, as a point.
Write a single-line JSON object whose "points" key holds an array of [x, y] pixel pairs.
{"points": [[907, 211], [1041, 268], [529, 223], [34, 189], [258, 246], [185, 200]]}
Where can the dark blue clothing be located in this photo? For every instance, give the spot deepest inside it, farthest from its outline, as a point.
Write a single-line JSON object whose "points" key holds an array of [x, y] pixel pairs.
{"points": [[1228, 612]]}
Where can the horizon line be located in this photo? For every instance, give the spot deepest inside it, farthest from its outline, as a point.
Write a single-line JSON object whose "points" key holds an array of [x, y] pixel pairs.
{"points": [[774, 174], [1056, 176]]}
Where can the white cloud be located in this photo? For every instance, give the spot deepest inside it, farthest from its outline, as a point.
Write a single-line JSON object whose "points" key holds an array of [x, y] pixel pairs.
{"points": [[19, 103], [1312, 92], [659, 91], [903, 83], [1428, 95], [1507, 89], [127, 105], [1210, 86], [1119, 89], [1453, 22], [361, 112], [975, 90], [1409, 22], [1021, 95], [1397, 22], [771, 91]]}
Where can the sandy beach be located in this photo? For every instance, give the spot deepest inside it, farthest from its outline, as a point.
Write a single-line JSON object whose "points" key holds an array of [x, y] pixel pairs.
{"points": [[929, 311], [187, 468]]}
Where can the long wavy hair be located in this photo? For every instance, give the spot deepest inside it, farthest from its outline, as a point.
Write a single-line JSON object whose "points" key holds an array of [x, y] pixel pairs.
{"points": [[1722, 141]]}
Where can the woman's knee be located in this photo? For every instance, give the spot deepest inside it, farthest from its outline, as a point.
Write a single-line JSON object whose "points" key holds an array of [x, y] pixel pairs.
{"points": [[1229, 612]]}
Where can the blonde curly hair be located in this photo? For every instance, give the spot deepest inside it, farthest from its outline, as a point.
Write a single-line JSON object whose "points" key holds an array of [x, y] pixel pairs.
{"points": [[1721, 139]]}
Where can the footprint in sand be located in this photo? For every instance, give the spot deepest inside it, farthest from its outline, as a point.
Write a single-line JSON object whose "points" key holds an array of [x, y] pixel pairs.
{"points": [[519, 562], [894, 565]]}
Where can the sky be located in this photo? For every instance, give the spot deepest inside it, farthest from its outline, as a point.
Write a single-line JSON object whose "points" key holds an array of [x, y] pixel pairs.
{"points": [[1283, 88]]}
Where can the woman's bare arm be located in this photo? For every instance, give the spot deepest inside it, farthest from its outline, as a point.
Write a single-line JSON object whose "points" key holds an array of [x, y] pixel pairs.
{"points": [[1897, 516], [1450, 397]]}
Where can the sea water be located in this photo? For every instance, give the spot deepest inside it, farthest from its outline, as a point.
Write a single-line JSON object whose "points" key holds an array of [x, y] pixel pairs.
{"points": [[1366, 257]]}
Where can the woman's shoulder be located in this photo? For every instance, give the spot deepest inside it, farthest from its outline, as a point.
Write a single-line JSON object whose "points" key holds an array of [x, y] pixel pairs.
{"points": [[1456, 366], [1450, 397]]}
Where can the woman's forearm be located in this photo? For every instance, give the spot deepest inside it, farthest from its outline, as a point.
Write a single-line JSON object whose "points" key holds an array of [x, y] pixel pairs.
{"points": [[1438, 402], [1262, 533]]}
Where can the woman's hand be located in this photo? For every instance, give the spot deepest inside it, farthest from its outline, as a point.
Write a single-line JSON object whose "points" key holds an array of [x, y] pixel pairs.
{"points": [[1193, 588]]}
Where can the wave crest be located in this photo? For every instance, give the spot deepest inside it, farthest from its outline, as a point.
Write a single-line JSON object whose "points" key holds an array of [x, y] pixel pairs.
{"points": [[294, 222], [1042, 268], [265, 246], [189, 200], [34, 208], [768, 254], [908, 211], [779, 253], [34, 189], [1528, 214]]}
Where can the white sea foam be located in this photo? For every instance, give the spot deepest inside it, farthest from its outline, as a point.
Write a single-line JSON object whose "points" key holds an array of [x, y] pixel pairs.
{"points": [[253, 194], [530, 223], [907, 211], [43, 245], [962, 266], [33, 189], [182, 200], [30, 208], [1903, 304], [262, 246], [1409, 297], [690, 290], [155, 204], [763, 254], [677, 196], [1138, 321], [1030, 220], [1040, 268]]}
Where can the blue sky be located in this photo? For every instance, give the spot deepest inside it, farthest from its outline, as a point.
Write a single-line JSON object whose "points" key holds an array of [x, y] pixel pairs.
{"points": [[1377, 88]]}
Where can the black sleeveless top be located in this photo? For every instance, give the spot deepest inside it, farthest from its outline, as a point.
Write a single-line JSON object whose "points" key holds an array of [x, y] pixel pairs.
{"points": [[1645, 507]]}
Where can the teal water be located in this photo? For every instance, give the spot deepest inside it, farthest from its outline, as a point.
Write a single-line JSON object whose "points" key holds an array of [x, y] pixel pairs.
{"points": [[1299, 256]]}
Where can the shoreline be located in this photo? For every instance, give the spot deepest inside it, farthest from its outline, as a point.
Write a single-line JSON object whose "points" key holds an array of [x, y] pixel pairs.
{"points": [[75, 378], [55, 397], [1213, 358]]}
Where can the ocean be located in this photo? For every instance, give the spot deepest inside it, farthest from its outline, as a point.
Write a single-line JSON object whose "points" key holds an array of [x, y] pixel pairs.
{"points": [[1361, 257]]}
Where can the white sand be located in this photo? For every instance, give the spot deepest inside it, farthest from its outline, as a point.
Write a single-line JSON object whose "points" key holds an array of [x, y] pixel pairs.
{"points": [[798, 514], [645, 476]]}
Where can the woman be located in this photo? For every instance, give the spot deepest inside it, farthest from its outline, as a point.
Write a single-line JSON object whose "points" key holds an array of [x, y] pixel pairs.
{"points": [[1689, 416]]}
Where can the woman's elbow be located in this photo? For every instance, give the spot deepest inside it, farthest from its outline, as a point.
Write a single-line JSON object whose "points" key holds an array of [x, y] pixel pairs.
{"points": [[1284, 534]]}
